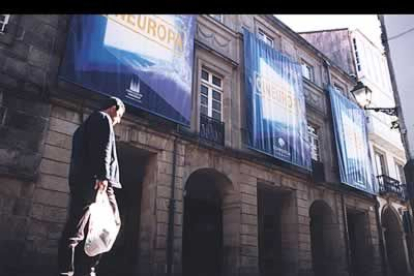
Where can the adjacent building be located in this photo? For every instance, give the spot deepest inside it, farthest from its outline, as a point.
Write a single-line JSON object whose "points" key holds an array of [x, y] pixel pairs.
{"points": [[356, 54], [210, 185]]}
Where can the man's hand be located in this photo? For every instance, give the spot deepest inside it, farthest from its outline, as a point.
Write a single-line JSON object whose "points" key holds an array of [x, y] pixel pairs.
{"points": [[101, 185]]}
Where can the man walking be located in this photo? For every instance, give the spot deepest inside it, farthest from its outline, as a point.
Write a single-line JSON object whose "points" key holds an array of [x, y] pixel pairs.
{"points": [[93, 168]]}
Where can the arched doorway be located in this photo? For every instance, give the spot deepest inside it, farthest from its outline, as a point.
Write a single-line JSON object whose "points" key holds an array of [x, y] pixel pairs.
{"points": [[209, 212], [324, 232], [394, 243]]}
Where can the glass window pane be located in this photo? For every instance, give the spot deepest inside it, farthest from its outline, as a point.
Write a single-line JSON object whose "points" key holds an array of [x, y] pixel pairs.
{"points": [[204, 90], [216, 81], [269, 41], [204, 75], [216, 115], [305, 71], [204, 100], [217, 105], [311, 129], [216, 95], [204, 110]]}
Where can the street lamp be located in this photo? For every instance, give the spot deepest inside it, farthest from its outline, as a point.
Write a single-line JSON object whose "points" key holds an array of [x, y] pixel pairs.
{"points": [[363, 95]]}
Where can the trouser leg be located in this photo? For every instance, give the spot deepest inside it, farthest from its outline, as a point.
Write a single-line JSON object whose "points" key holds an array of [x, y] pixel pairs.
{"points": [[73, 233], [71, 255], [94, 261]]}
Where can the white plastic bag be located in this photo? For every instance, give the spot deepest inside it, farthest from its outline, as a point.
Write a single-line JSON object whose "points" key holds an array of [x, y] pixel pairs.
{"points": [[103, 228]]}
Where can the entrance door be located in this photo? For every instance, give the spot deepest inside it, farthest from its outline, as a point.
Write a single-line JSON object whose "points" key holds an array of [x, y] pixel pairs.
{"points": [[202, 233], [394, 244], [123, 258], [360, 257], [324, 239], [270, 240]]}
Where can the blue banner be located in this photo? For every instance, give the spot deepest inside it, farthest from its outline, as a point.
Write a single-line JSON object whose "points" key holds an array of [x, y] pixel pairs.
{"points": [[275, 115], [146, 60], [351, 142]]}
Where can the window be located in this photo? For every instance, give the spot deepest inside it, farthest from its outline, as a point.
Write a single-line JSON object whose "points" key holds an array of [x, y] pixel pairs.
{"points": [[314, 142], [380, 164], [399, 169], [211, 95], [307, 71], [218, 17], [4, 20], [267, 39], [357, 58], [407, 223], [339, 88]]}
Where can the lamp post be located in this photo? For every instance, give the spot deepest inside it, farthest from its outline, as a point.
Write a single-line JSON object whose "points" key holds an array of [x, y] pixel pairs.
{"points": [[363, 95]]}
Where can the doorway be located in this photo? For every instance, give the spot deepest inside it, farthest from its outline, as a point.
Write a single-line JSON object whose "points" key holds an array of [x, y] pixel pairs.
{"points": [[122, 260], [394, 244], [358, 242], [203, 228], [276, 215], [324, 232]]}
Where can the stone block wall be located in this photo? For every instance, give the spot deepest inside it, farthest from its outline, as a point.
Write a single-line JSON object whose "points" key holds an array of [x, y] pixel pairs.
{"points": [[27, 52]]}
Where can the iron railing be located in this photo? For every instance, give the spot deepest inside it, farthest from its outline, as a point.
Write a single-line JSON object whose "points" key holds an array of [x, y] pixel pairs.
{"points": [[211, 130], [389, 185]]}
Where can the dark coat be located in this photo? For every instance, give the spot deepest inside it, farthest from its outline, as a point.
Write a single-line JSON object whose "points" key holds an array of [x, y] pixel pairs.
{"points": [[94, 152]]}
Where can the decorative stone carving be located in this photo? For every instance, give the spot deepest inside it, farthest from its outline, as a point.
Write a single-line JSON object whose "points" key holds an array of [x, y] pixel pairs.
{"points": [[213, 39], [315, 100]]}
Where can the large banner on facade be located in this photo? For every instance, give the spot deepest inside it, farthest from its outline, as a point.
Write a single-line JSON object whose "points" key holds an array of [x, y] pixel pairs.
{"points": [[275, 115], [146, 60], [351, 142]]}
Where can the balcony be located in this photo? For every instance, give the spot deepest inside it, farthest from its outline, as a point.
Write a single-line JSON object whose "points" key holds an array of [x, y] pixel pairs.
{"points": [[211, 130], [391, 186]]}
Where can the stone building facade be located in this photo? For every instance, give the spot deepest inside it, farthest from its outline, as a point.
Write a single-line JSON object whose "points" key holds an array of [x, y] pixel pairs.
{"points": [[190, 204], [353, 50]]}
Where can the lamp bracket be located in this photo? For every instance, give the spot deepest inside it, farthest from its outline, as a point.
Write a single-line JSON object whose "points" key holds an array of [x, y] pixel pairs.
{"points": [[392, 111]]}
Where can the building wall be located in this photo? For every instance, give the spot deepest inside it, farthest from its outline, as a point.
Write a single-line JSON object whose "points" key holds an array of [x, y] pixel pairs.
{"points": [[33, 209], [399, 52], [336, 45]]}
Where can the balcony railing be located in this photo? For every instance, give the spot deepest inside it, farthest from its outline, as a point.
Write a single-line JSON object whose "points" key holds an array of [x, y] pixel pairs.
{"points": [[211, 130], [389, 185]]}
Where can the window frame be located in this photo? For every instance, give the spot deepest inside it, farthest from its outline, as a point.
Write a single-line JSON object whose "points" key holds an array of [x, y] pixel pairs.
{"points": [[340, 88], [314, 136], [4, 23], [307, 65], [358, 63], [384, 168], [269, 40], [400, 174], [209, 84]]}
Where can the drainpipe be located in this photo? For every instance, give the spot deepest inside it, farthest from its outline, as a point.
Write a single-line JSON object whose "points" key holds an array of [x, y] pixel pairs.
{"points": [[381, 239], [171, 211], [326, 64]]}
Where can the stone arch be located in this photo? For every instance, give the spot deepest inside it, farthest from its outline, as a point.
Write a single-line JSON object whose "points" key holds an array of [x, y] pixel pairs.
{"points": [[324, 230], [394, 241], [211, 209]]}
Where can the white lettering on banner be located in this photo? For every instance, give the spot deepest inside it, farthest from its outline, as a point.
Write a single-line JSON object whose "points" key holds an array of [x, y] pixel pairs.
{"points": [[154, 28], [276, 92]]}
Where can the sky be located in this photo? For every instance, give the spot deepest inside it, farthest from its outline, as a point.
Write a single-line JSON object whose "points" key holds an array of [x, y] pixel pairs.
{"points": [[367, 24]]}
